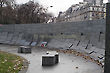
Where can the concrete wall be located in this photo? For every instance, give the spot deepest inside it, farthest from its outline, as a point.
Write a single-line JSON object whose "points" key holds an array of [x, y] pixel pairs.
{"points": [[94, 27], [25, 34], [87, 36]]}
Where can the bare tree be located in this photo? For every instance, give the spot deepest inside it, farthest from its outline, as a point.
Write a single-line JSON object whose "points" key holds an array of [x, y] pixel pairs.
{"points": [[6, 3], [32, 13], [29, 12], [7, 11]]}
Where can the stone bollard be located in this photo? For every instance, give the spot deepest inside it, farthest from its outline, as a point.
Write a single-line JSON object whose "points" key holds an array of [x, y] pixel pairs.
{"points": [[48, 60], [56, 58], [24, 49], [19, 50], [55, 54], [51, 58]]}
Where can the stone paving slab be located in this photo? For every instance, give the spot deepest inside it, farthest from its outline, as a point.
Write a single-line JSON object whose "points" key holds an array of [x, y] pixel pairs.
{"points": [[3, 37], [19, 39], [9, 38], [14, 40]]}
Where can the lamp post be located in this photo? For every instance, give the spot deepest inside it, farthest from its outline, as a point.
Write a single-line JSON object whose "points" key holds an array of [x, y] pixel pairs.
{"points": [[107, 43]]}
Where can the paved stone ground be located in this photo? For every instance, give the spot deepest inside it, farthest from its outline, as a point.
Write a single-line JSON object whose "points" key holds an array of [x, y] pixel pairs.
{"points": [[68, 62]]}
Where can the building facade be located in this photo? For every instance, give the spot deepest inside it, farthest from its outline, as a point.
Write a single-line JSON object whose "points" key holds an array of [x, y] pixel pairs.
{"points": [[95, 2], [87, 10]]}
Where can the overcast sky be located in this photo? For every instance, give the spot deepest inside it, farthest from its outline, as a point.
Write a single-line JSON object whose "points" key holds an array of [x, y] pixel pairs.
{"points": [[58, 5]]}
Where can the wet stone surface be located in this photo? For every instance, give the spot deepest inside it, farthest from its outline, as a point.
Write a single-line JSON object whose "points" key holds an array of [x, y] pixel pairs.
{"points": [[68, 63]]}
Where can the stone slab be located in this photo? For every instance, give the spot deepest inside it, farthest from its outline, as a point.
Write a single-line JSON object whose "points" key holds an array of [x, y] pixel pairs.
{"points": [[13, 41], [9, 38], [22, 42], [48, 60], [33, 43], [3, 37], [24, 49], [55, 54], [27, 43]]}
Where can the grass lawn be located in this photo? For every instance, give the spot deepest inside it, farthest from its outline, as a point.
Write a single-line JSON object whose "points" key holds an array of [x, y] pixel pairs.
{"points": [[10, 63]]}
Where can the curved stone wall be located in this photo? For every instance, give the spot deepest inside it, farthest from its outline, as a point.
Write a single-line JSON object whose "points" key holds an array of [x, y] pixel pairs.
{"points": [[25, 34], [85, 27], [87, 36]]}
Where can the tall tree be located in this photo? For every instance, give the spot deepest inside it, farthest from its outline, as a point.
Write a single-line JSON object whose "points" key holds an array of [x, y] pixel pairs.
{"points": [[6, 3], [31, 13], [7, 11]]}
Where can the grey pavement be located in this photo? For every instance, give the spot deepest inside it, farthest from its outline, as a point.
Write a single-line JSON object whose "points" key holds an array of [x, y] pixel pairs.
{"points": [[69, 63]]}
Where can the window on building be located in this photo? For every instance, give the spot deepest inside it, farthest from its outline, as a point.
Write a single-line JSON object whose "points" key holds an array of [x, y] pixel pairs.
{"points": [[102, 15], [92, 14], [97, 9], [85, 17], [93, 8]]}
